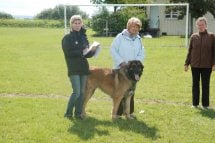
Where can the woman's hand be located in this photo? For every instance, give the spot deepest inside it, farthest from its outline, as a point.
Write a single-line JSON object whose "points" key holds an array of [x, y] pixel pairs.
{"points": [[213, 68], [186, 68], [123, 64], [85, 51]]}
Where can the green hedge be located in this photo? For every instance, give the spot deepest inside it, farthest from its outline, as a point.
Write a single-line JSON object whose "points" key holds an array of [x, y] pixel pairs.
{"points": [[31, 23]]}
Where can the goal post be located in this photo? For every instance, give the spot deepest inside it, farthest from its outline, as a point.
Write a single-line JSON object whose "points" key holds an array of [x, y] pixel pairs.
{"points": [[135, 5]]}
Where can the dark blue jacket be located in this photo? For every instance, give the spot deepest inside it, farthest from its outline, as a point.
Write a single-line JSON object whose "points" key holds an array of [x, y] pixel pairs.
{"points": [[73, 45]]}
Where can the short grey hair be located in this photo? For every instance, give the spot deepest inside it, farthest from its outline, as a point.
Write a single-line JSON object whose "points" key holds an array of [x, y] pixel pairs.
{"points": [[134, 20], [74, 18], [201, 19]]}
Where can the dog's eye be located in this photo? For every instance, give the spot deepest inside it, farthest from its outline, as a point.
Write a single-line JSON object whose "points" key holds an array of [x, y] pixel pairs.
{"points": [[134, 66]]}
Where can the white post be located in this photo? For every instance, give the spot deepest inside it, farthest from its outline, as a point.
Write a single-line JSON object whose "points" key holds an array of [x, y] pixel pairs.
{"points": [[106, 28], [65, 22], [187, 24]]}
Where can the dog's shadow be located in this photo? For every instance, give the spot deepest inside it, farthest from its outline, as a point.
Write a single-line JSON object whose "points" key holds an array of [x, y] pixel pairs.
{"points": [[88, 128]]}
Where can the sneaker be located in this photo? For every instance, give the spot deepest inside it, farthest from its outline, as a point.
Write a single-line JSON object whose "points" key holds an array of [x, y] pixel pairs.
{"points": [[194, 106]]}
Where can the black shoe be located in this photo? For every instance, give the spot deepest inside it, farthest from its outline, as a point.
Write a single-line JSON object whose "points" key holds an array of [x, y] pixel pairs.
{"points": [[79, 117]]}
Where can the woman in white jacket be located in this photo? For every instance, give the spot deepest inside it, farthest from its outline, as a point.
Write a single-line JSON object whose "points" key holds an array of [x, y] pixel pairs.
{"points": [[128, 46]]}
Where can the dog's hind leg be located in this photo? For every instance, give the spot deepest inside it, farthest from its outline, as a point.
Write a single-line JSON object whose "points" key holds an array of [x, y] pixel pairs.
{"points": [[88, 94]]}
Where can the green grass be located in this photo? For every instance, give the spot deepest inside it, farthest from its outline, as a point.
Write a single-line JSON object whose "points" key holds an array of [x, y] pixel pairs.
{"points": [[34, 91]]}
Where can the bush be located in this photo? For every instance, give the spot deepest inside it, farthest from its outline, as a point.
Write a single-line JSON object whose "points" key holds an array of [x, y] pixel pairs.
{"points": [[117, 21], [99, 21], [31, 23]]}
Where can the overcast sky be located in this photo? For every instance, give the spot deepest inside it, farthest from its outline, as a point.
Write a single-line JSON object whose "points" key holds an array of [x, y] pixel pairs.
{"points": [[33, 7]]}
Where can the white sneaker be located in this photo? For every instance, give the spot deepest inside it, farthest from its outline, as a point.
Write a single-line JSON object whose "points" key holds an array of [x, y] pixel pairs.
{"points": [[194, 106]]}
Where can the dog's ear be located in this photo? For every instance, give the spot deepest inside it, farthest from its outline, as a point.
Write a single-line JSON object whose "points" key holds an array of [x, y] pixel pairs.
{"points": [[140, 64]]}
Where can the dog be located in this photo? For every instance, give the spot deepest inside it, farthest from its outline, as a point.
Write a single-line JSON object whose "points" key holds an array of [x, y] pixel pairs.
{"points": [[118, 84]]}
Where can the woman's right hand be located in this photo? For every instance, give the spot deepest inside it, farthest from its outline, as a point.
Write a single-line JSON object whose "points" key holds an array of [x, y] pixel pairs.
{"points": [[123, 64], [85, 51]]}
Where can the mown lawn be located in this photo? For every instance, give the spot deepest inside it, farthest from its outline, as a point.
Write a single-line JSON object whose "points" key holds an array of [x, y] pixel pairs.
{"points": [[34, 91]]}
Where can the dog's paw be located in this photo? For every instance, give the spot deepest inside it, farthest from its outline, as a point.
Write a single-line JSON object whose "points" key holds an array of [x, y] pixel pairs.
{"points": [[116, 117], [131, 117], [83, 116]]}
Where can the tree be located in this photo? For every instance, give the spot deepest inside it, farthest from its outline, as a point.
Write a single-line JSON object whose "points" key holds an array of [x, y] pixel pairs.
{"points": [[197, 8], [117, 2], [117, 21], [99, 20], [4, 15], [57, 13]]}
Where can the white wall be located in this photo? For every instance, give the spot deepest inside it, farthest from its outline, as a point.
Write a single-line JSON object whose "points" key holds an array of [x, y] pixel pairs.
{"points": [[211, 23]]}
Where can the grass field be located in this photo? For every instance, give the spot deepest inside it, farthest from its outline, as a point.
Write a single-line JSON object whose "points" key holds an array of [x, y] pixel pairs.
{"points": [[34, 91]]}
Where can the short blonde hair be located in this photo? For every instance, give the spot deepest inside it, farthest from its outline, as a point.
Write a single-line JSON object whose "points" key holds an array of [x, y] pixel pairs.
{"points": [[74, 18], [201, 19], [134, 20]]}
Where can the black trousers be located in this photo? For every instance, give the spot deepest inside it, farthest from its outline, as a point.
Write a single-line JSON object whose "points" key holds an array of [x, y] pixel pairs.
{"points": [[205, 74]]}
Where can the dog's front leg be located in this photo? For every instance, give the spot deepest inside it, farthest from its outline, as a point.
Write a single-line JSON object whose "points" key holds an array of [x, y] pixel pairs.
{"points": [[127, 107], [116, 102]]}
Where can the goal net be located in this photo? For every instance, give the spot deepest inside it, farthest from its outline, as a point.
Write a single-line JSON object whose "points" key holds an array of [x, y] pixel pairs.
{"points": [[161, 26]]}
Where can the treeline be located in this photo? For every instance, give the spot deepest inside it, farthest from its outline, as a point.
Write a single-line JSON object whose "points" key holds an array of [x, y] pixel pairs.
{"points": [[48, 18], [56, 13], [103, 23]]}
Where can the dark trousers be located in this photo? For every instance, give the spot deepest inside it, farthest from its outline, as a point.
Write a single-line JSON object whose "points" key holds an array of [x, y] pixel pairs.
{"points": [[205, 74], [121, 106]]}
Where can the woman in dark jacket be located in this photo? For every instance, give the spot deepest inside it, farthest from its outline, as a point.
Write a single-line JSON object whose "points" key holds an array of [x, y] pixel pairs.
{"points": [[201, 58], [74, 45]]}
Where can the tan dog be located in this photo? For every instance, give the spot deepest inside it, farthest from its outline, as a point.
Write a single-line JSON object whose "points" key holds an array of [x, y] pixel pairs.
{"points": [[116, 83]]}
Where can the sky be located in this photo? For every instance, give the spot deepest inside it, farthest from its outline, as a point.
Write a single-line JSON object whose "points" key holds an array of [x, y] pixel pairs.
{"points": [[33, 7]]}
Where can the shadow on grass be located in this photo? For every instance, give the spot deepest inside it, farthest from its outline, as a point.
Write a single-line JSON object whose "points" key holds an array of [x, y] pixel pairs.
{"points": [[210, 113], [88, 128]]}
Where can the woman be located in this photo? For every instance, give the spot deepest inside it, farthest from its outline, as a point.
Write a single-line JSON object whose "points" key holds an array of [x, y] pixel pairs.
{"points": [[201, 58], [74, 45], [128, 46]]}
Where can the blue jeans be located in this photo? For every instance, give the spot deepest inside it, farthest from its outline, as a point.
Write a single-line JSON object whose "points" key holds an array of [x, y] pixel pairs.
{"points": [[76, 99]]}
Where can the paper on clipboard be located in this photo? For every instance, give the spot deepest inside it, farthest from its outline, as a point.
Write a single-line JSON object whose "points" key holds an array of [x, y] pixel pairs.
{"points": [[95, 46]]}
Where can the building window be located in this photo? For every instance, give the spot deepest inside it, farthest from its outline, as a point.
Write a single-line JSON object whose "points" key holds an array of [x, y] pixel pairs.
{"points": [[171, 13]]}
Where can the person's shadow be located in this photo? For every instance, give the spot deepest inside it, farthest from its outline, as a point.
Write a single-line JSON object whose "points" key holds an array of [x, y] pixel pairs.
{"points": [[88, 128], [210, 113]]}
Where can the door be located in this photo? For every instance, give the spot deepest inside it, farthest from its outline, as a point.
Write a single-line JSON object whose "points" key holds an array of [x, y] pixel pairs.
{"points": [[154, 17]]}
